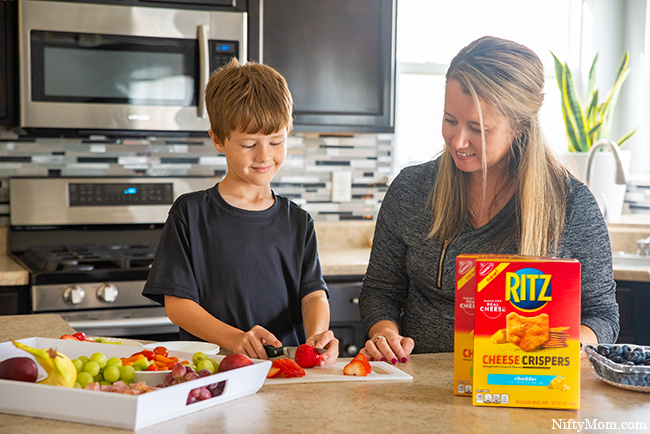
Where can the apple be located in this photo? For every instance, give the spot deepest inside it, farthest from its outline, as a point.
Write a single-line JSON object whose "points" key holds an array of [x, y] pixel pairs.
{"points": [[19, 369], [234, 361]]}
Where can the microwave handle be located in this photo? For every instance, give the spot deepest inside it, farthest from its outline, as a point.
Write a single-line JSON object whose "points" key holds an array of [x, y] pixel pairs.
{"points": [[204, 68]]}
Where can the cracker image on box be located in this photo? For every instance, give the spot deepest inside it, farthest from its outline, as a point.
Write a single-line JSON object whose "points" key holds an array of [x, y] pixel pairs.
{"points": [[527, 333]]}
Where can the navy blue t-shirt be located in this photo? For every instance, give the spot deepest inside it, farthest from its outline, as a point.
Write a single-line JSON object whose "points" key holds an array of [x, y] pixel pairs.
{"points": [[246, 268]]}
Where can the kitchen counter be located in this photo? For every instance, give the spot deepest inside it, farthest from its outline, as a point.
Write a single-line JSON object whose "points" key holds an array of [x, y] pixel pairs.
{"points": [[426, 404]]}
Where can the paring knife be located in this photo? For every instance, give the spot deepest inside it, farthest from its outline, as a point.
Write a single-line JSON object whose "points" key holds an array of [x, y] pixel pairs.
{"points": [[290, 352]]}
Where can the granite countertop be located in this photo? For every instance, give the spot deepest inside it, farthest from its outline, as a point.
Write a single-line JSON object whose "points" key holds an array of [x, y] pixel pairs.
{"points": [[425, 404]]}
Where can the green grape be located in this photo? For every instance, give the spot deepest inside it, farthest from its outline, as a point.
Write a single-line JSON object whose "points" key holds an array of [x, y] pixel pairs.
{"points": [[83, 378], [127, 373], [215, 364], [99, 358], [97, 378], [77, 386], [205, 364], [78, 364], [105, 383], [112, 374], [84, 359], [198, 356], [92, 368], [114, 361]]}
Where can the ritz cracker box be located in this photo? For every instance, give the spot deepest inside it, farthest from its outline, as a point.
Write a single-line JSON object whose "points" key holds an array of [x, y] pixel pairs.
{"points": [[464, 321], [527, 333]]}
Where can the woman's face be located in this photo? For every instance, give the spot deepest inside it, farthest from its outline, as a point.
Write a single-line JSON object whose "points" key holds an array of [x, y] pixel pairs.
{"points": [[461, 129]]}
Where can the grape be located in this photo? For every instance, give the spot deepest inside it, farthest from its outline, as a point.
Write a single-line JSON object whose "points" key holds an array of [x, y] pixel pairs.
{"points": [[204, 394], [114, 361], [204, 373], [199, 356], [99, 377], [83, 378], [191, 376], [99, 358], [127, 373], [178, 371], [78, 365], [112, 373], [77, 386], [92, 368], [205, 365], [194, 393], [84, 359]]}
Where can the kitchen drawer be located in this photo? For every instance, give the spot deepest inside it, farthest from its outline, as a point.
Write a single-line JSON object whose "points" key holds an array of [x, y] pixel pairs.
{"points": [[344, 301]]}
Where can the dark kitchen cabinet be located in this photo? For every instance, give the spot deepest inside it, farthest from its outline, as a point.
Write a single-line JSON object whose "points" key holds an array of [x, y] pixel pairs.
{"points": [[338, 57], [15, 300], [634, 304], [8, 70], [345, 320]]}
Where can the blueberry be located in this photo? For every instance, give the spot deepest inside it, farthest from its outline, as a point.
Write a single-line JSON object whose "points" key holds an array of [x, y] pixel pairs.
{"points": [[626, 351], [647, 362], [636, 358], [615, 350], [646, 355], [617, 359], [629, 363], [603, 350]]}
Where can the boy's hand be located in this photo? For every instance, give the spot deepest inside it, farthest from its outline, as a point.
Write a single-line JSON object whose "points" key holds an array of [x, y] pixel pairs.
{"points": [[252, 343], [329, 342]]}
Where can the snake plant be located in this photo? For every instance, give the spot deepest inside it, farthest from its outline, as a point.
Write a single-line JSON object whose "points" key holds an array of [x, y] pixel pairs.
{"points": [[587, 123]]}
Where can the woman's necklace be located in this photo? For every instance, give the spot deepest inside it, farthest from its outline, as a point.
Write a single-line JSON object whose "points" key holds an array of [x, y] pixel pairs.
{"points": [[472, 214]]}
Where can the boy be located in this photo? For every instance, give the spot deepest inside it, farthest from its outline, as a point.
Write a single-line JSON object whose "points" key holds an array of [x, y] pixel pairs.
{"points": [[237, 265]]}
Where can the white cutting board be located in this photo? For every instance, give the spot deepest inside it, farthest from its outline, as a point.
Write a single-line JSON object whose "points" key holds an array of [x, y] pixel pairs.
{"points": [[334, 372]]}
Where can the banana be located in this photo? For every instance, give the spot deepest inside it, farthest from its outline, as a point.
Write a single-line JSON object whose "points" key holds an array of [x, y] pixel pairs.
{"points": [[60, 369]]}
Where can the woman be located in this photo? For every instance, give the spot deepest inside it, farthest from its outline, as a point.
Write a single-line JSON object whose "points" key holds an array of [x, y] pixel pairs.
{"points": [[496, 188]]}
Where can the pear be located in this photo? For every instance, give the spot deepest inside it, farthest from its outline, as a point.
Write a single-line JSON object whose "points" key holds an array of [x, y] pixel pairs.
{"points": [[60, 369]]}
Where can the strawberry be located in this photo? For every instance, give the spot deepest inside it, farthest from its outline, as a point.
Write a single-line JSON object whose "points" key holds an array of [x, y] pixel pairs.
{"points": [[356, 367], [365, 361], [307, 357], [80, 336], [273, 372], [68, 338], [289, 368]]}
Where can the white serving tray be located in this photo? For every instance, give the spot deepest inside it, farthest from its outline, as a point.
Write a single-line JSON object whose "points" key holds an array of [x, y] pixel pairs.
{"points": [[135, 412]]}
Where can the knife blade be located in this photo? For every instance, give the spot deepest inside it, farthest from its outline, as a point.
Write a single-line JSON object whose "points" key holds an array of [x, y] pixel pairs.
{"points": [[290, 352]]}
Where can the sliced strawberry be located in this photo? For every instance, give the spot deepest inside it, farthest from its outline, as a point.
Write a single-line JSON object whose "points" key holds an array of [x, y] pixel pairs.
{"points": [[273, 372], [363, 360], [80, 336], [307, 357], [356, 367], [290, 368], [68, 338]]}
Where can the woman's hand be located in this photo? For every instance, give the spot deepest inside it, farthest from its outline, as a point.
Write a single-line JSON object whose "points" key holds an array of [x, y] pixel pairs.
{"points": [[252, 343], [327, 341], [386, 344]]}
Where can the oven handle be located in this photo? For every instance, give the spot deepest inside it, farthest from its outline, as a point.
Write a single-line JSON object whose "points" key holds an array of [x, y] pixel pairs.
{"points": [[204, 68], [125, 322]]}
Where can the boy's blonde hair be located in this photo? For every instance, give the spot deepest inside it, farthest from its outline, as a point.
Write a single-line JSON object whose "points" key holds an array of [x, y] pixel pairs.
{"points": [[509, 77], [252, 98]]}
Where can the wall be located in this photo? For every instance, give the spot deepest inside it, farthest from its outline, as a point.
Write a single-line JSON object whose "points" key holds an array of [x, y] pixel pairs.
{"points": [[305, 177]]}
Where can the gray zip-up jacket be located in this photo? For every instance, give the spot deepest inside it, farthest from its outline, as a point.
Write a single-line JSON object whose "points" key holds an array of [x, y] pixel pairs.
{"points": [[402, 280]]}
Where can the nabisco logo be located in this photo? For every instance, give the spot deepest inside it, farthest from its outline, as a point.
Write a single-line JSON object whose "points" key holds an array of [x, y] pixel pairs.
{"points": [[485, 268], [464, 267]]}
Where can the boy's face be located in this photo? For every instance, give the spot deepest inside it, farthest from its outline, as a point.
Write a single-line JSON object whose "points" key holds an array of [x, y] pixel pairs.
{"points": [[253, 158]]}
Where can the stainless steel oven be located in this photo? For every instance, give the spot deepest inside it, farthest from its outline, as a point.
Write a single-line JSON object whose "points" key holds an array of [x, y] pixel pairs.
{"points": [[110, 68], [88, 244]]}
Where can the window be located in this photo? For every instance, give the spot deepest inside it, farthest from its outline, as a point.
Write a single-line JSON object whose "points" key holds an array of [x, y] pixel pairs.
{"points": [[430, 33]]}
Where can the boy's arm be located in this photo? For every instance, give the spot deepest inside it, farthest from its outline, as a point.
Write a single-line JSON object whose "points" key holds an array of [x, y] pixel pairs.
{"points": [[316, 318], [190, 316]]}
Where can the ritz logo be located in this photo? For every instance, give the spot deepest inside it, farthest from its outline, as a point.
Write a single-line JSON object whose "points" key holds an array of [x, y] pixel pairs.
{"points": [[528, 289]]}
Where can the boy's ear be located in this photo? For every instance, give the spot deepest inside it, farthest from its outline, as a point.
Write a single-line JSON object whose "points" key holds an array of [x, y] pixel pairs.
{"points": [[215, 141]]}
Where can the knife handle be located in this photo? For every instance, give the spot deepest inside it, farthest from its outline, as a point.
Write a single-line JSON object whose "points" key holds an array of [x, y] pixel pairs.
{"points": [[271, 351]]}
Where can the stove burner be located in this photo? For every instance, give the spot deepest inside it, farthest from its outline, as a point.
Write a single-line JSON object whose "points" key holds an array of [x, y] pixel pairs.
{"points": [[88, 258]]}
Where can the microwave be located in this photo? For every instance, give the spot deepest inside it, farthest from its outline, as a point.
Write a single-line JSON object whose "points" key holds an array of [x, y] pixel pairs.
{"points": [[98, 69]]}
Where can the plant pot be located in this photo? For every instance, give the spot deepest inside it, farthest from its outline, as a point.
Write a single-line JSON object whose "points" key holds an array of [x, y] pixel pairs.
{"points": [[609, 195]]}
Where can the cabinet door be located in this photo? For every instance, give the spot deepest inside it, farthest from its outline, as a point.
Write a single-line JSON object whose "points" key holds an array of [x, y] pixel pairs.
{"points": [[634, 304], [338, 57]]}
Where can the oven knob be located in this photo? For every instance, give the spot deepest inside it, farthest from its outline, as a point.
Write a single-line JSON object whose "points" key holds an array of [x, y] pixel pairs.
{"points": [[74, 294], [107, 293]]}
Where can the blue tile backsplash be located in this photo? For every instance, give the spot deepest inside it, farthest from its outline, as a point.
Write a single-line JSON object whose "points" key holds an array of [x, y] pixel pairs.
{"points": [[306, 177]]}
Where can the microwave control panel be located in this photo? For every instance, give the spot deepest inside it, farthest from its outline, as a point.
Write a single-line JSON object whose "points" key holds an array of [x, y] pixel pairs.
{"points": [[221, 52]]}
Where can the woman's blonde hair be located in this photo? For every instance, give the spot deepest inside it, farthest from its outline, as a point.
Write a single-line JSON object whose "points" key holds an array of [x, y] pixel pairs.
{"points": [[252, 97], [510, 79]]}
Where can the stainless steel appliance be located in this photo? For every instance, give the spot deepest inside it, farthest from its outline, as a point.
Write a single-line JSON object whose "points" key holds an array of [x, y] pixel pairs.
{"points": [[97, 68], [88, 244]]}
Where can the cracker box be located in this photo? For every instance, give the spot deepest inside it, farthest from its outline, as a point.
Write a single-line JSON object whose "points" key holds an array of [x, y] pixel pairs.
{"points": [[527, 333], [464, 321]]}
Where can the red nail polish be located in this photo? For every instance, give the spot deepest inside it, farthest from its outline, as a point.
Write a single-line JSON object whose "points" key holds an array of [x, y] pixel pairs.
{"points": [[372, 359], [393, 361], [383, 359], [404, 360]]}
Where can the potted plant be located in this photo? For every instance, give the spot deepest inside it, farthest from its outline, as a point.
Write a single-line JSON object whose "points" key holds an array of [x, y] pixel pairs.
{"points": [[590, 123]]}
